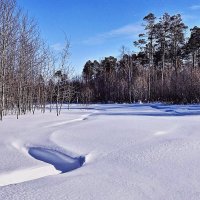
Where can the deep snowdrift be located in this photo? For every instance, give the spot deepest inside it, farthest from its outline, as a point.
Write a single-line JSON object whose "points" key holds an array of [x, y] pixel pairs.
{"points": [[147, 151]]}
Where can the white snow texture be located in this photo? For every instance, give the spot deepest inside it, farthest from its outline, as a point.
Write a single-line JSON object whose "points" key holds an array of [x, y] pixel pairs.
{"points": [[128, 151]]}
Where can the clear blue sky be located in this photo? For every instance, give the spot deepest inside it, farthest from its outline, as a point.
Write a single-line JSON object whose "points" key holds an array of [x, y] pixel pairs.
{"points": [[98, 28]]}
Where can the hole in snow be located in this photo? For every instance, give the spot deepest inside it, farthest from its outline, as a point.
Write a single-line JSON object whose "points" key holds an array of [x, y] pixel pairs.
{"points": [[60, 161]]}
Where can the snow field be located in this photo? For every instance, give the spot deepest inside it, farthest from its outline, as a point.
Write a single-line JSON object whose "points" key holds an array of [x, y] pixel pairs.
{"points": [[139, 151]]}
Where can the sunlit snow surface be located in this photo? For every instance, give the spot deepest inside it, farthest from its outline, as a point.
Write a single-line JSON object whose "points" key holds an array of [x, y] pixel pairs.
{"points": [[138, 151]]}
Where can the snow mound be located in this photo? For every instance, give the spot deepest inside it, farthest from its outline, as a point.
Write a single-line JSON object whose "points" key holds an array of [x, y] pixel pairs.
{"points": [[28, 174]]}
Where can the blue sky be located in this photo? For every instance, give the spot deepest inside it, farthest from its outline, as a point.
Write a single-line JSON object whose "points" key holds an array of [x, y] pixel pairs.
{"points": [[98, 28]]}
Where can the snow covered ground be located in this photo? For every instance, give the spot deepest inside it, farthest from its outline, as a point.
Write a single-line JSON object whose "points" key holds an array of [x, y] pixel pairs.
{"points": [[139, 151]]}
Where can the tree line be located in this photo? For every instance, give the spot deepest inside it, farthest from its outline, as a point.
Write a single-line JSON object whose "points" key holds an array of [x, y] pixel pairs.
{"points": [[166, 68], [31, 74]]}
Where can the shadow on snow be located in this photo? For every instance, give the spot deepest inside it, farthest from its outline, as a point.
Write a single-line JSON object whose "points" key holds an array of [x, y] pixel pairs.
{"points": [[60, 161]]}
